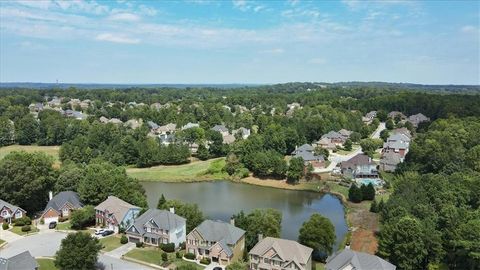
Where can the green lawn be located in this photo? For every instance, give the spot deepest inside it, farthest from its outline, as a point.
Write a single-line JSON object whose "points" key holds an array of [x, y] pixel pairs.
{"points": [[18, 230], [2, 241], [319, 266], [49, 150], [110, 243], [46, 264], [192, 172], [154, 256], [64, 226]]}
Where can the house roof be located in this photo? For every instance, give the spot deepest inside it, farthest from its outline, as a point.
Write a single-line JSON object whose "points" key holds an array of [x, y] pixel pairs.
{"points": [[371, 114], [228, 139], [345, 132], [305, 147], [152, 125], [190, 125], [359, 159], [390, 158], [162, 219], [168, 127], [403, 131], [117, 207], [357, 261], [220, 128], [21, 261], [309, 156], [12, 207], [59, 200], [399, 137], [215, 231], [393, 114], [333, 135], [395, 145], [287, 250], [418, 118]]}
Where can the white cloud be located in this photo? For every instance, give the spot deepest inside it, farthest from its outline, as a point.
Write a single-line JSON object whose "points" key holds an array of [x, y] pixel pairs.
{"points": [[244, 5], [128, 17], [470, 29], [117, 38], [149, 11]]}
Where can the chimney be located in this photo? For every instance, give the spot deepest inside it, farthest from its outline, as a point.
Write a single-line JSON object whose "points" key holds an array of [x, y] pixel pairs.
{"points": [[260, 237], [50, 195], [172, 210], [232, 221]]}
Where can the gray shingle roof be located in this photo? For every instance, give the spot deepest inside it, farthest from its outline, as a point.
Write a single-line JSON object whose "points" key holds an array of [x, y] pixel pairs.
{"points": [[215, 231], [333, 135], [163, 219], [21, 261], [395, 145], [115, 206], [309, 156], [220, 128], [357, 160], [358, 261], [305, 147], [288, 250], [12, 207], [59, 200], [399, 137]]}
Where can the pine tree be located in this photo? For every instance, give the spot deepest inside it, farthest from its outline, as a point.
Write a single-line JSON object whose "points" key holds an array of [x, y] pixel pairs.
{"points": [[355, 194], [161, 202], [374, 207]]}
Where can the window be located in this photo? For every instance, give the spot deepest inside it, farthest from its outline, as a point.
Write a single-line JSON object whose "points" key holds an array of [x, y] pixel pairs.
{"points": [[154, 241], [4, 213], [267, 261], [18, 214]]}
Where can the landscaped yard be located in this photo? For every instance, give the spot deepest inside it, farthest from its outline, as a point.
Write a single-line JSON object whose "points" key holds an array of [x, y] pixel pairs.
{"points": [[18, 230], [154, 256], [46, 264], [110, 243], [192, 172], [49, 150], [64, 226]]}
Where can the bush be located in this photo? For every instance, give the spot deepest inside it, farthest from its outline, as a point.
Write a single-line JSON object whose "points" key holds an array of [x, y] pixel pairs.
{"points": [[178, 255], [82, 218], [22, 221], [182, 245], [42, 221], [5, 226], [122, 229], [164, 257], [139, 245], [26, 228], [205, 261], [62, 219], [190, 256], [170, 247], [123, 239]]}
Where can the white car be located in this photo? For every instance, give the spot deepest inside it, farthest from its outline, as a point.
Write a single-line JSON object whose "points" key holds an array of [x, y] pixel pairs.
{"points": [[99, 231]]}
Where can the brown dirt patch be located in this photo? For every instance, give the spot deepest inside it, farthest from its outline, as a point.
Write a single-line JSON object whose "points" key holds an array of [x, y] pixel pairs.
{"points": [[364, 225]]}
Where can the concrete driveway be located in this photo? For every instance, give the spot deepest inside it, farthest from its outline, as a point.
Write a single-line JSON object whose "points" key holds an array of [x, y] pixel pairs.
{"points": [[47, 243], [9, 236]]}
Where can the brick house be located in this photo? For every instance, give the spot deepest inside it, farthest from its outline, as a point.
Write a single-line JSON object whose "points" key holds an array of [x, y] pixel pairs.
{"points": [[9, 212], [61, 206], [115, 213]]}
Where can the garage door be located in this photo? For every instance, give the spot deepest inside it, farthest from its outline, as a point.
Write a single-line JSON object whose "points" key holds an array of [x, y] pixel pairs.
{"points": [[50, 219], [133, 240]]}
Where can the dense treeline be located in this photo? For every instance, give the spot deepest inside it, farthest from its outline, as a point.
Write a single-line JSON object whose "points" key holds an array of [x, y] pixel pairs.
{"points": [[433, 215]]}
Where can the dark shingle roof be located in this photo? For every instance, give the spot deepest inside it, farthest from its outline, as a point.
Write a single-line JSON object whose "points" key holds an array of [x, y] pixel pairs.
{"points": [[358, 261], [63, 197], [215, 231], [165, 220], [12, 207], [22, 261]]}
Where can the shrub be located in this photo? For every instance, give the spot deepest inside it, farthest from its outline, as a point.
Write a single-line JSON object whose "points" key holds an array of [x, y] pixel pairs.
{"points": [[139, 245], [62, 219], [190, 256], [42, 221], [123, 239], [121, 229], [178, 255], [164, 257], [182, 245], [170, 247], [26, 228], [22, 221], [5, 226], [205, 260], [82, 218]]}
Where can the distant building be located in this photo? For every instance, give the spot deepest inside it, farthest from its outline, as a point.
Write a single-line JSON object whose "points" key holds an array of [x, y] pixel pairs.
{"points": [[222, 129], [244, 132], [115, 213], [395, 114], [389, 161], [325, 143], [306, 152], [418, 118], [190, 125], [335, 137], [353, 260], [275, 253]]}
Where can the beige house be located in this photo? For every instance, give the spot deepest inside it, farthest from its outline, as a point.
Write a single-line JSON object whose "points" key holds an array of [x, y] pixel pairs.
{"points": [[220, 241], [275, 254]]}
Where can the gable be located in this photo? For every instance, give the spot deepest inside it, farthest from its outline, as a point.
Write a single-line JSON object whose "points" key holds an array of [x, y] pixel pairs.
{"points": [[270, 253], [195, 235]]}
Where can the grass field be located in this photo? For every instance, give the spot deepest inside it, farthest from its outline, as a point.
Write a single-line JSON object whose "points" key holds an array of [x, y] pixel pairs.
{"points": [[18, 230], [110, 243], [49, 150], [196, 171], [46, 264], [64, 226]]}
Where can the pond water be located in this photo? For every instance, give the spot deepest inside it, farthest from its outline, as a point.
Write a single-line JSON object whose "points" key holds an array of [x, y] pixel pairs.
{"points": [[220, 200]]}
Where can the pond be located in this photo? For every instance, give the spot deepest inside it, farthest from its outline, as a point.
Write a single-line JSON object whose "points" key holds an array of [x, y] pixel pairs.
{"points": [[221, 199]]}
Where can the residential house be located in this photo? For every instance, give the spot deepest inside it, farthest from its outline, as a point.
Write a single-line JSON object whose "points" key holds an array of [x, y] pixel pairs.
{"points": [[335, 138], [244, 132], [153, 126], [326, 144], [220, 241], [134, 123], [167, 129], [61, 206], [55, 102], [403, 131], [291, 108], [156, 227], [228, 139], [303, 148], [395, 114], [193, 147], [359, 166], [389, 161], [222, 129], [345, 133], [368, 118], [115, 121], [115, 213], [36, 107], [190, 125], [166, 139], [397, 143], [306, 152], [275, 253], [103, 119], [418, 118], [348, 259], [21, 261], [10, 212], [75, 114]]}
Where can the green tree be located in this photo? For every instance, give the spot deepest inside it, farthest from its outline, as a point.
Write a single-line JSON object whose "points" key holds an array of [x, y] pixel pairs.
{"points": [[190, 212], [82, 218], [384, 134], [26, 179], [369, 146], [237, 265], [161, 202], [374, 207], [355, 194], [318, 233], [390, 124], [348, 145], [202, 152], [26, 130], [319, 151], [266, 222], [78, 251], [295, 170], [70, 175], [368, 192], [355, 137], [7, 132]]}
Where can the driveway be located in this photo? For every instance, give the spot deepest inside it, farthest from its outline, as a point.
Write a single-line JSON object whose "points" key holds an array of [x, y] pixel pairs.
{"points": [[119, 252], [9, 236], [47, 243]]}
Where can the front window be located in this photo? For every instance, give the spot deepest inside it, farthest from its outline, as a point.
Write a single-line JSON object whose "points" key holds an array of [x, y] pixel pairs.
{"points": [[4, 213], [18, 214]]}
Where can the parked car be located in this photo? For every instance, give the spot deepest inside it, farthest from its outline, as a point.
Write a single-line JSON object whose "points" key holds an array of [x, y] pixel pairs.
{"points": [[99, 231], [107, 232], [52, 225]]}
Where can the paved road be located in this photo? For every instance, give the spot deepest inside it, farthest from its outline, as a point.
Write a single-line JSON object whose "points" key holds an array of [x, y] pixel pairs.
{"points": [[47, 243]]}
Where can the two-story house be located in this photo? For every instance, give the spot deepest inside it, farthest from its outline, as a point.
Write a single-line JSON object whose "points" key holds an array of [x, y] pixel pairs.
{"points": [[220, 241], [61, 205], [335, 138], [115, 213], [359, 166], [155, 227], [9, 212], [275, 254], [306, 152]]}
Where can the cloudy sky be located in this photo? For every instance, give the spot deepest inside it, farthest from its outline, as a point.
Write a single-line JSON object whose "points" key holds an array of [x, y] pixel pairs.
{"points": [[201, 41]]}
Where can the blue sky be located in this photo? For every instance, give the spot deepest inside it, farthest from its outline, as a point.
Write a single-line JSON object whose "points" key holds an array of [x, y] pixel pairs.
{"points": [[201, 41]]}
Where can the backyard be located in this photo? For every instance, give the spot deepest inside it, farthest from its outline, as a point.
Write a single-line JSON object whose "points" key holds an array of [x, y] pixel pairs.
{"points": [[192, 172], [49, 150]]}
